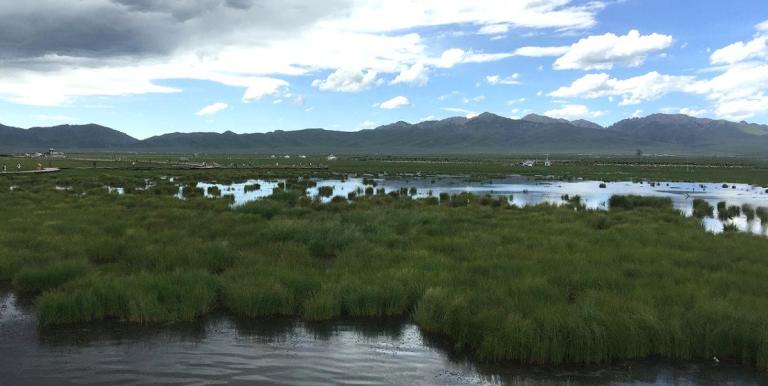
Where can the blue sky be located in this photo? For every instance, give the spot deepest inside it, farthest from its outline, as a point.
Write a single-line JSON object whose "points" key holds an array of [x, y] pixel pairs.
{"points": [[217, 65]]}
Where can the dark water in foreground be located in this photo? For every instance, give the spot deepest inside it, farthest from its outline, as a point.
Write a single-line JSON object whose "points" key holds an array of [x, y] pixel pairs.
{"points": [[221, 350]]}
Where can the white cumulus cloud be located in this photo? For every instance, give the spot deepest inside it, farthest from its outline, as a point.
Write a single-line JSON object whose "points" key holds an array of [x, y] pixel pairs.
{"points": [[633, 90], [738, 93], [454, 56], [739, 109], [212, 109], [261, 87], [693, 112], [469, 114], [418, 74], [494, 29], [513, 79], [394, 103], [762, 26], [343, 80], [537, 52], [756, 48], [231, 42], [602, 52], [572, 112], [367, 125]]}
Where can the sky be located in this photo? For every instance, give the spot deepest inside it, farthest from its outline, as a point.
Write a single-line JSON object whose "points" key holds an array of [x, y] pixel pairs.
{"points": [[149, 67]]}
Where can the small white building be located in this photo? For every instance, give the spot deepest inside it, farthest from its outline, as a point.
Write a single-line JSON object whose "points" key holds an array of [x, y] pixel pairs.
{"points": [[547, 162], [528, 163], [286, 156], [52, 153], [331, 158]]}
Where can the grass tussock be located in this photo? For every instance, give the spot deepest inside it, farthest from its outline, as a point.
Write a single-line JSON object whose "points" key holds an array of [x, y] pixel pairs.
{"points": [[702, 209], [145, 297], [762, 214], [325, 191], [252, 188], [748, 211]]}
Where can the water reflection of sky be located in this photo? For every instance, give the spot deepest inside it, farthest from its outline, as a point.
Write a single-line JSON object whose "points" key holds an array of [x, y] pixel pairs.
{"points": [[238, 190], [523, 191]]}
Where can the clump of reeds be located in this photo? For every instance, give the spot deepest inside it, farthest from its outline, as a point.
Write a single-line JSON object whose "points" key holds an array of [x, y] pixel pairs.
{"points": [[143, 298], [632, 202], [214, 191], [702, 209], [762, 214], [748, 211], [252, 188], [192, 190], [37, 279]]}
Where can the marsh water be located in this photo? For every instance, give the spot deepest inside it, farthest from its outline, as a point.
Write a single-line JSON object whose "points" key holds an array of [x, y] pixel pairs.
{"points": [[221, 349], [524, 191]]}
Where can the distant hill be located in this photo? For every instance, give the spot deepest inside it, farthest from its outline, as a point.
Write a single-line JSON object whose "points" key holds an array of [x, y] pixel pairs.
{"points": [[83, 137], [693, 132], [486, 133]]}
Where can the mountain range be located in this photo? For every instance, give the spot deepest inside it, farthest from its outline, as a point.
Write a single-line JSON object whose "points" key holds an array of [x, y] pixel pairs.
{"points": [[486, 133]]}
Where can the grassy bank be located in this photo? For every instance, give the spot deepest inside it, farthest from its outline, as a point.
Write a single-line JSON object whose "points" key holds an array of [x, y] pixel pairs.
{"points": [[534, 285]]}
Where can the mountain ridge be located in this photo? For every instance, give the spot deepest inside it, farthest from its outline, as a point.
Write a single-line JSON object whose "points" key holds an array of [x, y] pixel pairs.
{"points": [[485, 133]]}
